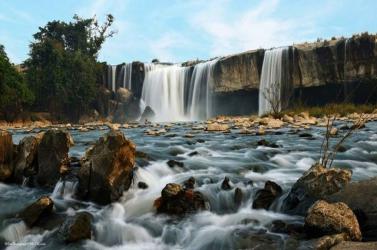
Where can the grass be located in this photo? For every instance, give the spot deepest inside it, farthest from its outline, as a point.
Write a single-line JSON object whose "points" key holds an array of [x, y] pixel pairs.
{"points": [[342, 109]]}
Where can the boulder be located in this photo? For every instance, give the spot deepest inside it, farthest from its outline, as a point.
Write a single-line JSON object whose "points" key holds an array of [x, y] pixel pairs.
{"points": [[316, 183], [332, 218], [217, 127], [107, 168], [148, 114], [26, 161], [53, 160], [266, 196], [238, 197], [31, 214], [348, 245], [123, 95], [175, 200], [189, 183], [361, 197], [6, 155], [76, 228], [225, 185]]}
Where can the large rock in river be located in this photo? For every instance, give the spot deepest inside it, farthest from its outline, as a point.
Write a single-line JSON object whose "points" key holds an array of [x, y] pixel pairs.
{"points": [[361, 197], [317, 183], [53, 157], [175, 200], [26, 161], [31, 214], [266, 196], [76, 228], [107, 168], [325, 219], [6, 155]]}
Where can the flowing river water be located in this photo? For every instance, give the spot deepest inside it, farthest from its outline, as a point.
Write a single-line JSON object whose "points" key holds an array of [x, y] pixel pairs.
{"points": [[132, 222]]}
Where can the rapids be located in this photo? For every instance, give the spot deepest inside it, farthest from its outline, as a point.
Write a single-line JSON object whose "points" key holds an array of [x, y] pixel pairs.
{"points": [[132, 223]]}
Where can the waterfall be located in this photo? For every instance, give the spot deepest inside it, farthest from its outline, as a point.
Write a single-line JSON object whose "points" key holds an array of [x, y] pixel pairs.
{"points": [[127, 76], [163, 90], [200, 98], [273, 80], [176, 94], [111, 76]]}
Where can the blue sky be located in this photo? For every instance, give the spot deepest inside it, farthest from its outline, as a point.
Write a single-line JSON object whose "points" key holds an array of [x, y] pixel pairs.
{"points": [[179, 30]]}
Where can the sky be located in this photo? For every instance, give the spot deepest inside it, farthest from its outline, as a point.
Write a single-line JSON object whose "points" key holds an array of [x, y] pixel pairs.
{"points": [[181, 30]]}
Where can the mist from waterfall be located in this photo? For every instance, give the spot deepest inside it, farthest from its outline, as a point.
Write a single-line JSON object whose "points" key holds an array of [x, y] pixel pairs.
{"points": [[273, 80], [179, 93]]}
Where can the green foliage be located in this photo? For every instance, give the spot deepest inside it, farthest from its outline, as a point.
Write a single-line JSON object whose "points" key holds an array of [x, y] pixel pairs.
{"points": [[14, 93], [63, 68]]}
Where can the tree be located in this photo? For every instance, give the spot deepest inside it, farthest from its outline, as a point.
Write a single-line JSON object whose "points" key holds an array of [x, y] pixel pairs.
{"points": [[14, 93], [62, 68]]}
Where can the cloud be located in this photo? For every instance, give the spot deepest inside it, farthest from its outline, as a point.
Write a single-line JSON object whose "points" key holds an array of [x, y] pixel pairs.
{"points": [[251, 28]]}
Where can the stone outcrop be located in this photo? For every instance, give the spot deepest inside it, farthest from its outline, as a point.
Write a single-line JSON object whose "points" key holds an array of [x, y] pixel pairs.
{"points": [[317, 183], [266, 196], [53, 160], [107, 168], [325, 219], [31, 214], [26, 162], [148, 114], [76, 228], [175, 200], [361, 197], [6, 155]]}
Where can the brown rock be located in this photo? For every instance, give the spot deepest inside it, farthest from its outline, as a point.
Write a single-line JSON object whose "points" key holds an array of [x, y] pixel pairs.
{"points": [[175, 200], [214, 127], [317, 183], [26, 162], [325, 218], [6, 155], [76, 228], [31, 214], [53, 157], [266, 196], [355, 246], [107, 168]]}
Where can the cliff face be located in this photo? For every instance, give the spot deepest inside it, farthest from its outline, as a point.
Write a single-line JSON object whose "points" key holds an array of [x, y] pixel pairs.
{"points": [[311, 64]]}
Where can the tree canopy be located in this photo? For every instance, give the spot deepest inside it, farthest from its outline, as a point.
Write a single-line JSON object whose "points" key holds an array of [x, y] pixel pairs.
{"points": [[62, 70], [14, 92]]}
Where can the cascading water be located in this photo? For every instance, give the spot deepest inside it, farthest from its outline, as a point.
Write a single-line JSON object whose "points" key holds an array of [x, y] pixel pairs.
{"points": [[111, 76], [273, 80], [127, 76], [176, 94]]}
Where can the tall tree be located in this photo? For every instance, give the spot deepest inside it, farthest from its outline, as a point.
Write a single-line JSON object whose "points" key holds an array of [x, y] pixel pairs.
{"points": [[14, 93], [62, 68]]}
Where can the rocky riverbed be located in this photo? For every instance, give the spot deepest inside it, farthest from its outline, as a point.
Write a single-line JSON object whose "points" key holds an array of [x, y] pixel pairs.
{"points": [[228, 183]]}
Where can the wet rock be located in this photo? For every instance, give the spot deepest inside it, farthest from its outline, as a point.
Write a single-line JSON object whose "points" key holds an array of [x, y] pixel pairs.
{"points": [[6, 155], [200, 140], [361, 197], [193, 153], [189, 183], [31, 214], [257, 240], [325, 219], [261, 131], [214, 127], [306, 135], [316, 183], [266, 196], [333, 131], [282, 227], [238, 196], [173, 163], [175, 200], [266, 143], [107, 168], [225, 185], [342, 149], [27, 157], [348, 245], [76, 228], [142, 185], [148, 114], [324, 242], [53, 160]]}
